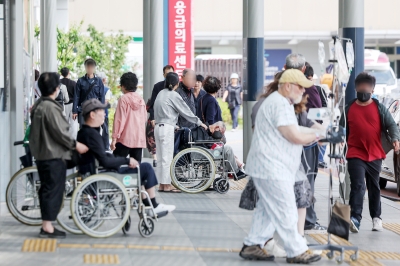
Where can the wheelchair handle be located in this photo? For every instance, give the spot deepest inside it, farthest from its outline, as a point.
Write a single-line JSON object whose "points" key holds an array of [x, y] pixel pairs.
{"points": [[16, 143]]}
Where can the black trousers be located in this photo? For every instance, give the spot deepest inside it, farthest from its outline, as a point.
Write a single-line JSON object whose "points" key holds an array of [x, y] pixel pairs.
{"points": [[364, 173], [122, 151], [309, 159], [52, 174]]}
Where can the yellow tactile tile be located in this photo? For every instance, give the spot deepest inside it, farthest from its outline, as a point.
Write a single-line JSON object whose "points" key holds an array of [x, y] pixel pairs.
{"points": [[107, 246], [144, 247], [74, 246], [394, 227], [101, 259], [177, 248], [39, 245], [237, 185]]}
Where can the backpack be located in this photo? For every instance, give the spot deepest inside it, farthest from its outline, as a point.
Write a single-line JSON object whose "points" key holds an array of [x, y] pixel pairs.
{"points": [[60, 99]]}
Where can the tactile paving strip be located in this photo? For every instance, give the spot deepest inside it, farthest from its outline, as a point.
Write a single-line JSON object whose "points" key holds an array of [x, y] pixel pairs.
{"points": [[392, 227], [100, 259], [39, 245], [237, 185], [364, 258]]}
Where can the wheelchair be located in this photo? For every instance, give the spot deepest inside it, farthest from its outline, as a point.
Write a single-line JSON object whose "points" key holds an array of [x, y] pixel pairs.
{"points": [[98, 205], [197, 167], [101, 204]]}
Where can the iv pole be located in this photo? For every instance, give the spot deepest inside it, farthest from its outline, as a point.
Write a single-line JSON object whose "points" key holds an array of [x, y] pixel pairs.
{"points": [[334, 137]]}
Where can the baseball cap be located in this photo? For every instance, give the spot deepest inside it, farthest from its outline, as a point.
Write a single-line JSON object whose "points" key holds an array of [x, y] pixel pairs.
{"points": [[234, 76], [295, 76], [91, 105]]}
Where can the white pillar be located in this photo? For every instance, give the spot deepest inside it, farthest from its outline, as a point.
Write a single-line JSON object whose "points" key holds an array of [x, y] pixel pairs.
{"points": [[147, 87], [156, 42], [48, 36]]}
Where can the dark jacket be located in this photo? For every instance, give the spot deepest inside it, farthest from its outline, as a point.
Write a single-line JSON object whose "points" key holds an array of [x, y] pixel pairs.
{"points": [[156, 89], [70, 84], [234, 97], [188, 97], [93, 140], [49, 138], [314, 100], [390, 130], [322, 95], [81, 89], [209, 110], [199, 97]]}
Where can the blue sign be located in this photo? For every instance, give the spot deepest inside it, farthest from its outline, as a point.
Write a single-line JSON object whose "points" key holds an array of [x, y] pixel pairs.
{"points": [[275, 60]]}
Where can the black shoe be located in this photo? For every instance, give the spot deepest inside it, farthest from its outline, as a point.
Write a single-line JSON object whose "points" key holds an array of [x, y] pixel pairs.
{"points": [[315, 227], [240, 175], [322, 165], [56, 234], [255, 253], [154, 163]]}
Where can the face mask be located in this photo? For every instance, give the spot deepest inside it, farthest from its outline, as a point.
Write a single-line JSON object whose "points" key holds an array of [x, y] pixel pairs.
{"points": [[363, 96], [217, 135]]}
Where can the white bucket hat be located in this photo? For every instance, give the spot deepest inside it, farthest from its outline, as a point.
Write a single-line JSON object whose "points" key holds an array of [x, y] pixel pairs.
{"points": [[234, 76]]}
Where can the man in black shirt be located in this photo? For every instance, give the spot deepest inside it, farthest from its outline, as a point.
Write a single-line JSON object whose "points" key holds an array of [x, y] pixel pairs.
{"points": [[94, 115], [70, 84]]}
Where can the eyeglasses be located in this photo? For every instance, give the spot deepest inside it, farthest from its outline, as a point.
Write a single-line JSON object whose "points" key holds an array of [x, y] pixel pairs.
{"points": [[298, 86]]}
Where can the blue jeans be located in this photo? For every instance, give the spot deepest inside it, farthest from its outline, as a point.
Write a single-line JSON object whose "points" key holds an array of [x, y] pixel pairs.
{"points": [[321, 153], [234, 115], [148, 178]]}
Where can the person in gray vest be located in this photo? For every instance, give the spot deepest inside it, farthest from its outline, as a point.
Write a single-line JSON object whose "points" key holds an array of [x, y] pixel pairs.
{"points": [[233, 95]]}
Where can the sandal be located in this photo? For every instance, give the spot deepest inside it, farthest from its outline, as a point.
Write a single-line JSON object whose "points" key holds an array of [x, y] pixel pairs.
{"points": [[172, 191]]}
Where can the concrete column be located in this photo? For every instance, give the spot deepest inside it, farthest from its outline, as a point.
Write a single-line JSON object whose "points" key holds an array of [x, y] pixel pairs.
{"points": [[48, 36], [156, 45], [351, 25], [253, 63], [16, 80], [146, 51]]}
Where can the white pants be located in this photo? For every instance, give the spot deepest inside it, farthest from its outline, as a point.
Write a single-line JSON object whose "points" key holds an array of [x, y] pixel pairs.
{"points": [[73, 124], [276, 211], [164, 135]]}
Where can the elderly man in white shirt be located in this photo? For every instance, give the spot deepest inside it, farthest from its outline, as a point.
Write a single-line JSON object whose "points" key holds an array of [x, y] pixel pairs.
{"points": [[272, 162]]}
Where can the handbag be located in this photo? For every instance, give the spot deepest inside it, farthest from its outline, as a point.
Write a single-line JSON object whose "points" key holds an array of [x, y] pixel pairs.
{"points": [[249, 197], [340, 220], [74, 161]]}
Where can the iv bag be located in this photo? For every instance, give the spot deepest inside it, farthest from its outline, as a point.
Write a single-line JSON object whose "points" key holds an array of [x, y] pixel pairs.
{"points": [[341, 69], [350, 55], [321, 54], [331, 50]]}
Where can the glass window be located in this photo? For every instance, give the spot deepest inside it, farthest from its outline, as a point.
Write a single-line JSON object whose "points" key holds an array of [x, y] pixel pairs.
{"points": [[387, 50], [202, 50], [382, 76]]}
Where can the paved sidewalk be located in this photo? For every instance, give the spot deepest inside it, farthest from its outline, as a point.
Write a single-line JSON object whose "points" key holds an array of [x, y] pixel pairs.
{"points": [[206, 229]]}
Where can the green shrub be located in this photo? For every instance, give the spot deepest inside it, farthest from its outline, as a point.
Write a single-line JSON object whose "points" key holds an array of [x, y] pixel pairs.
{"points": [[226, 114]]}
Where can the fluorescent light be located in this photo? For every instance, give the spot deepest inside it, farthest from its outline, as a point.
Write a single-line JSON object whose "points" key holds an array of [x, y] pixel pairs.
{"points": [[293, 42], [397, 42]]}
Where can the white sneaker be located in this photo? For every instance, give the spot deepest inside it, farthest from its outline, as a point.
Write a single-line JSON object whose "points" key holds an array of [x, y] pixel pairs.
{"points": [[274, 249], [160, 208], [377, 225]]}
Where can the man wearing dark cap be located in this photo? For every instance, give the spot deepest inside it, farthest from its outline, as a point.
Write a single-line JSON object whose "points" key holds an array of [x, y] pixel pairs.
{"points": [[89, 87], [93, 112]]}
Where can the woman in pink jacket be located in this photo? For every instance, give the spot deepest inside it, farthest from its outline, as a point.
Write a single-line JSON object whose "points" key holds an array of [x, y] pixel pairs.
{"points": [[129, 131]]}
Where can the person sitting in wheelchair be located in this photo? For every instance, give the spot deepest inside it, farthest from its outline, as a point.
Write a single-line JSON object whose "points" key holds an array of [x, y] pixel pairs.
{"points": [[216, 132], [93, 112]]}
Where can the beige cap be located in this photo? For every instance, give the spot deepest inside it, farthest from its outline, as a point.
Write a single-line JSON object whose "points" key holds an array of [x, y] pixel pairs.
{"points": [[295, 76]]}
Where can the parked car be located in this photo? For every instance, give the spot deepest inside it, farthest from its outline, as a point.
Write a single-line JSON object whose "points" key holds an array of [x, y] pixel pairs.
{"points": [[391, 165]]}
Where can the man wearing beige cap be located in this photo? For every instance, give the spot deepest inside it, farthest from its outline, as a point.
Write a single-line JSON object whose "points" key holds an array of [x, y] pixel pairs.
{"points": [[273, 161]]}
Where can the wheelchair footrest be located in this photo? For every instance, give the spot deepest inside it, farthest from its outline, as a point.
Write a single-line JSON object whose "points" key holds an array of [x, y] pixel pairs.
{"points": [[162, 214]]}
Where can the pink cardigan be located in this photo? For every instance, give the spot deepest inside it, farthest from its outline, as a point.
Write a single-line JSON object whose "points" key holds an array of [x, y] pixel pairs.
{"points": [[130, 121]]}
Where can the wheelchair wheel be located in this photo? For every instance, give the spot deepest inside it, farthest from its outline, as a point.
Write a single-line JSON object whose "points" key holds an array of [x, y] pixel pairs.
{"points": [[64, 217], [192, 170], [22, 196], [221, 185], [146, 230], [100, 206]]}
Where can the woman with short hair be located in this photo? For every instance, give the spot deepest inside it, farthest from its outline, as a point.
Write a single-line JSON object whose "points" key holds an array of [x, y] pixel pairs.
{"points": [[209, 110], [129, 131]]}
